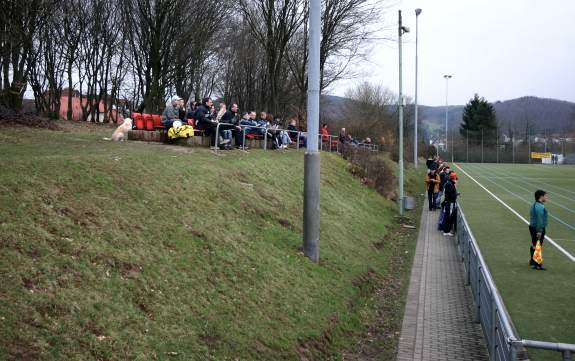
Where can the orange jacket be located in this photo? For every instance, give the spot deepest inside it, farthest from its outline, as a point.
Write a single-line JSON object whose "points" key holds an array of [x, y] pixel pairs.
{"points": [[324, 134], [432, 180]]}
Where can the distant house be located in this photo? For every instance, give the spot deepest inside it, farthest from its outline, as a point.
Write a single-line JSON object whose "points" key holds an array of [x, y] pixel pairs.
{"points": [[77, 108]]}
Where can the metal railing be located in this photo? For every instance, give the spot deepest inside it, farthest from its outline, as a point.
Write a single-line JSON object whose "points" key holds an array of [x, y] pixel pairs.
{"points": [[328, 147], [502, 340]]}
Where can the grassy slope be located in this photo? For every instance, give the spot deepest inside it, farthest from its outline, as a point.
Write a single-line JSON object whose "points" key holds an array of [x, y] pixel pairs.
{"points": [[540, 303], [141, 251]]}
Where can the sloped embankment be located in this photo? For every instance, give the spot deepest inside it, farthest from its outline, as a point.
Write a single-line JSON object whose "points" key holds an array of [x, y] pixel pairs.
{"points": [[141, 251]]}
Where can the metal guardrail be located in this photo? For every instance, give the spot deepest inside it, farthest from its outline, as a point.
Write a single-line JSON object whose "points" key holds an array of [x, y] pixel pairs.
{"points": [[502, 340], [329, 147]]}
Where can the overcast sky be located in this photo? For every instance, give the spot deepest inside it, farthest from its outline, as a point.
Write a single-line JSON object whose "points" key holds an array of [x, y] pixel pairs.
{"points": [[501, 49]]}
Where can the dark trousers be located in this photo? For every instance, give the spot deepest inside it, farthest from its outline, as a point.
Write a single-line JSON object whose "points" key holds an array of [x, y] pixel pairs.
{"points": [[237, 133], [534, 239], [432, 198], [449, 216], [209, 129]]}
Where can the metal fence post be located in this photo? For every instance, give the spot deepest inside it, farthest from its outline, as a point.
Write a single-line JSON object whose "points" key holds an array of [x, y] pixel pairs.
{"points": [[244, 138], [493, 344], [217, 137], [567, 355], [265, 139], [298, 135], [513, 347], [478, 292]]}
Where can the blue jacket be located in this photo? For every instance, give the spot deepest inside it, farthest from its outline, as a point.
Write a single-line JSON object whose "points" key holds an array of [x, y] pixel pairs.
{"points": [[538, 215]]}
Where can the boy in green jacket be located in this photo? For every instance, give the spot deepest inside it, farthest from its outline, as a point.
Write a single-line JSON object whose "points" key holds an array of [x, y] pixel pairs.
{"points": [[537, 224]]}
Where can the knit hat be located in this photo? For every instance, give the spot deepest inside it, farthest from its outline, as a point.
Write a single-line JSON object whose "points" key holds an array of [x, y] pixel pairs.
{"points": [[453, 175]]}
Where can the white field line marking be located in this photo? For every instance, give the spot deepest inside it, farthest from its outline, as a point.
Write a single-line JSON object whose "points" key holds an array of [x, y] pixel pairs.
{"points": [[538, 181], [568, 225], [518, 179], [515, 176], [561, 249]]}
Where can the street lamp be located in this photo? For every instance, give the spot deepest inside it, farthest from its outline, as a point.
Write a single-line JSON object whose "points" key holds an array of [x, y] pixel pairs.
{"points": [[401, 30], [417, 12], [311, 211], [447, 77]]}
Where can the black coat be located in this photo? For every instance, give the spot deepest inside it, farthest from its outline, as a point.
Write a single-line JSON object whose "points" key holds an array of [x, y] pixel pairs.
{"points": [[203, 115], [230, 117], [450, 192]]}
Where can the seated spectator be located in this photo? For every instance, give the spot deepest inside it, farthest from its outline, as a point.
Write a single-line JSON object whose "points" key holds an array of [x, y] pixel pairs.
{"points": [[273, 130], [263, 120], [342, 136], [171, 112], [221, 112], [205, 121], [182, 111], [232, 125], [251, 122], [351, 140], [293, 132], [192, 107], [367, 140]]}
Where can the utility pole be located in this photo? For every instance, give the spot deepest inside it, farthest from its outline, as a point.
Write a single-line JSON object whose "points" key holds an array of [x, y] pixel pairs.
{"points": [[482, 145], [311, 214], [417, 12], [467, 143], [497, 142], [400, 30], [513, 146]]}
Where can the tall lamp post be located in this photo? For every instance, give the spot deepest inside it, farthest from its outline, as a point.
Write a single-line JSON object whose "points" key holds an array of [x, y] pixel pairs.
{"points": [[447, 77], [311, 212], [417, 12], [400, 30]]}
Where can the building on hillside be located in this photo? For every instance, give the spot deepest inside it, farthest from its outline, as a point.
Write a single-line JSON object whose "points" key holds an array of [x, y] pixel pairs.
{"points": [[77, 108]]}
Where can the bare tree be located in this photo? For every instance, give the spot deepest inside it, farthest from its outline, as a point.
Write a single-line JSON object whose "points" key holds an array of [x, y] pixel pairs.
{"points": [[19, 23], [273, 24]]}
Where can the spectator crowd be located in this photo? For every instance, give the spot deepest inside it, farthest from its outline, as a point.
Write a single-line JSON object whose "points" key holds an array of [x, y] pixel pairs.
{"points": [[441, 185], [231, 125]]}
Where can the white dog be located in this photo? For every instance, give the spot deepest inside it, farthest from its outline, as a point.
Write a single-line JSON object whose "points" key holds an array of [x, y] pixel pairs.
{"points": [[121, 133]]}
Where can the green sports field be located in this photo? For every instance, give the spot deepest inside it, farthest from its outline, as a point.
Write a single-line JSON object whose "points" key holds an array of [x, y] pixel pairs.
{"points": [[541, 303]]}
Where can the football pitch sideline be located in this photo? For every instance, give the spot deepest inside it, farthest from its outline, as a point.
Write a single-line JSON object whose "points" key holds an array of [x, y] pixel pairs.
{"points": [[495, 198]]}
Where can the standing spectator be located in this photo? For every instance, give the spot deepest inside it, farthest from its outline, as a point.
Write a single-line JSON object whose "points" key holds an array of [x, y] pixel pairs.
{"points": [[432, 182], [205, 121], [449, 206], [324, 133], [432, 162], [537, 225], [443, 177]]}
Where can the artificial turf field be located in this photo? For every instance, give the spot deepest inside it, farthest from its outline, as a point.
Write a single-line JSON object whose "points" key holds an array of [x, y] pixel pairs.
{"points": [[541, 303]]}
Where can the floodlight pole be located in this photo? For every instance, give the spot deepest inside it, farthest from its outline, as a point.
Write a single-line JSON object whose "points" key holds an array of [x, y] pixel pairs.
{"points": [[417, 12], [311, 212], [447, 77], [400, 30]]}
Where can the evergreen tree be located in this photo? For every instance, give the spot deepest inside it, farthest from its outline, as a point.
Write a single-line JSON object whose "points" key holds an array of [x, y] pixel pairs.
{"points": [[479, 119]]}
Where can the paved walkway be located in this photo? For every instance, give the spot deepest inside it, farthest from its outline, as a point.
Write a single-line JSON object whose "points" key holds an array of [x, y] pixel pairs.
{"points": [[438, 321]]}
